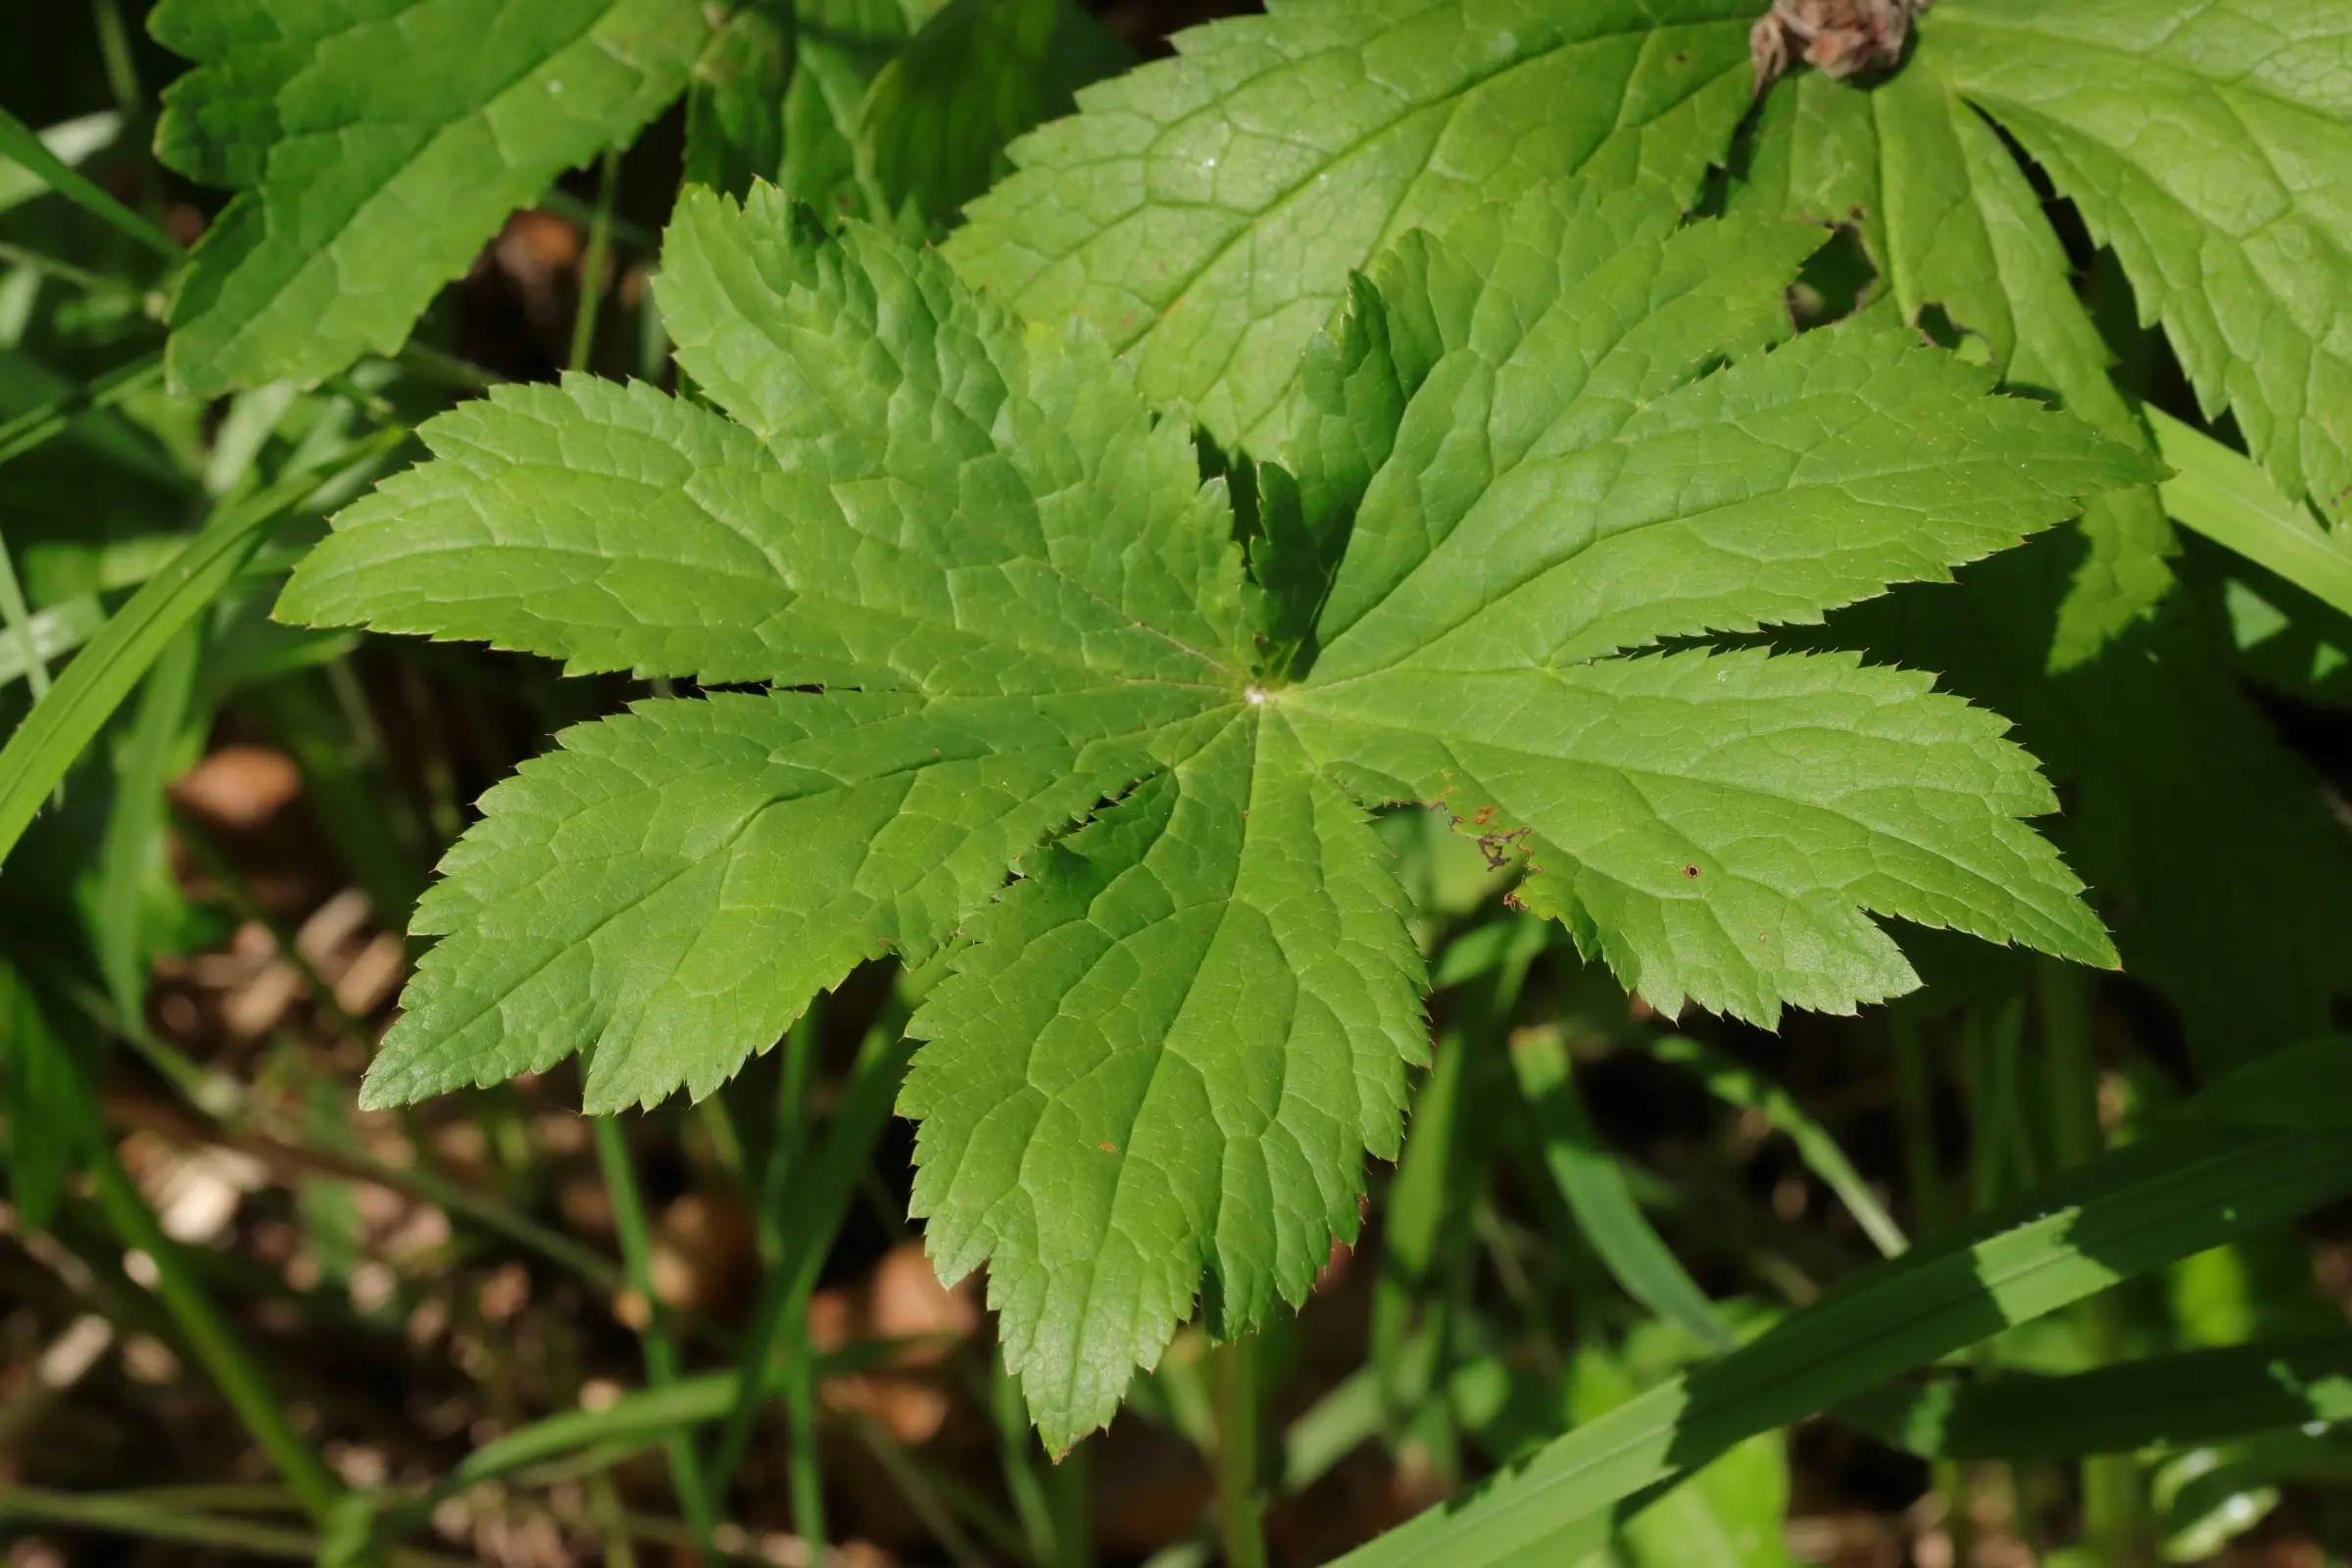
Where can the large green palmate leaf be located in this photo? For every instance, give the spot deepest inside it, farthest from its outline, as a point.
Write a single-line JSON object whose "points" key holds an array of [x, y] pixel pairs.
{"points": [[2210, 143], [377, 144], [1205, 211], [1164, 1051]]}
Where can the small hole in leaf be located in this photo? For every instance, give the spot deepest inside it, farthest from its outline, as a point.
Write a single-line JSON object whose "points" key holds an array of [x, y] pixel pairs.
{"points": [[1690, 870]]}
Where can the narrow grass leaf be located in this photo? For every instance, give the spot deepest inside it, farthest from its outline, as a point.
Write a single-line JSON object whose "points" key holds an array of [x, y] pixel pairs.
{"points": [[2171, 1402], [46, 743], [21, 145], [1595, 1189], [2179, 1190], [1747, 1090]]}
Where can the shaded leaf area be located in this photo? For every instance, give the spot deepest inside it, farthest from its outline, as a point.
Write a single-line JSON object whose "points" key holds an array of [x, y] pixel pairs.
{"points": [[2194, 1398], [2215, 858], [1953, 227]]}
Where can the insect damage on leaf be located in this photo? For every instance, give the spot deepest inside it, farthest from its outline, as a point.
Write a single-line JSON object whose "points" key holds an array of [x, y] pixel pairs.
{"points": [[991, 597]]}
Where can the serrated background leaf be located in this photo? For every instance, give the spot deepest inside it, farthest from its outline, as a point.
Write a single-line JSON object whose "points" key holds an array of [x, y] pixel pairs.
{"points": [[1205, 211], [978, 74], [2210, 143], [1953, 224], [840, 47], [377, 148]]}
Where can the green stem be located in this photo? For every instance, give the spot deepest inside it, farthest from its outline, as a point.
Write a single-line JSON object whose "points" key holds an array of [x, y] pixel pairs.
{"points": [[224, 1357], [1069, 1489], [660, 1350], [133, 1516], [114, 43], [2112, 1523], [1240, 1524], [612, 1521], [804, 1478], [1915, 1104], [1018, 1448], [819, 1189], [592, 265], [33, 426], [18, 620]]}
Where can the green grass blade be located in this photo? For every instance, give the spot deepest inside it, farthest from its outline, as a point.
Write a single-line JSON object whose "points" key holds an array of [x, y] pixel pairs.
{"points": [[21, 145], [211, 1336], [33, 426], [2177, 1191], [661, 1366], [2173, 1401], [629, 1423], [135, 825], [2227, 497], [104, 673], [23, 640], [1745, 1089], [1595, 1189], [819, 1207], [74, 141], [59, 629]]}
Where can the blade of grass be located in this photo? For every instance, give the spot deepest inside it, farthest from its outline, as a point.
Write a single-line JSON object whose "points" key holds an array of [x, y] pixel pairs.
{"points": [[804, 1472], [626, 1426], [215, 1345], [2227, 497], [660, 1347], [32, 427], [2173, 1401], [135, 825], [104, 673], [1590, 1180], [1331, 1429], [2175, 1192], [1016, 1445], [59, 629], [130, 1516], [1747, 1090], [207, 1334], [1240, 1522], [592, 265], [74, 141], [18, 623], [352, 799], [1415, 1224], [20, 145], [820, 1198], [928, 1492]]}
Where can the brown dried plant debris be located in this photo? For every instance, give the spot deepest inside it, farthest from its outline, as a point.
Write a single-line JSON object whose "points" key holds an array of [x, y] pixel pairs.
{"points": [[1839, 37]]}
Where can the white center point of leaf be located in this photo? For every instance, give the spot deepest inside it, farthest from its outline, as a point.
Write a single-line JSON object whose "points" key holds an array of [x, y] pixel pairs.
{"points": [[1257, 695]]}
